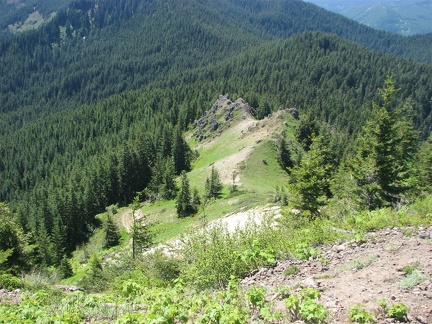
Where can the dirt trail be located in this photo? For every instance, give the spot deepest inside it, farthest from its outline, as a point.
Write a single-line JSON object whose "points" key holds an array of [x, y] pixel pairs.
{"points": [[351, 273], [126, 220]]}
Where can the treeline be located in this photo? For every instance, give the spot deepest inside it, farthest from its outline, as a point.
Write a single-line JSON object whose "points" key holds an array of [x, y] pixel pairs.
{"points": [[334, 80], [55, 68]]}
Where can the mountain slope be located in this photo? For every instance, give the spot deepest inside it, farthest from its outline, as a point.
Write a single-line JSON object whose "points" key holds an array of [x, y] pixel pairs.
{"points": [[97, 49], [26, 14], [402, 17], [74, 140]]}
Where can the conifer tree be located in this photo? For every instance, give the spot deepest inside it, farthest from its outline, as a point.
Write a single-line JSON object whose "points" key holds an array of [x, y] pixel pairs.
{"points": [[213, 185], [184, 205], [65, 267], [168, 188], [57, 242], [284, 155], [140, 231], [44, 245], [424, 165], [112, 234], [382, 165], [310, 180], [14, 249], [196, 199], [180, 152]]}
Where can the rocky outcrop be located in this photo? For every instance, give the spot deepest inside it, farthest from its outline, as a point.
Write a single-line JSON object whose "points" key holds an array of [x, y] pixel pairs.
{"points": [[223, 111]]}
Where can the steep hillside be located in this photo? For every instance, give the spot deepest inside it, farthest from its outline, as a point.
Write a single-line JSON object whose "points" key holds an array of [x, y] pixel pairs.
{"points": [[360, 276], [246, 255], [244, 151], [94, 50], [228, 135]]}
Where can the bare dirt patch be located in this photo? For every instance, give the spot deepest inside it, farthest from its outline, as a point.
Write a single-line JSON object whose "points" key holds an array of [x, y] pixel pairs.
{"points": [[361, 272]]}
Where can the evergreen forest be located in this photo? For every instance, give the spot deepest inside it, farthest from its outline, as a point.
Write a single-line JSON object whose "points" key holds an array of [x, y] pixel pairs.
{"points": [[97, 113]]}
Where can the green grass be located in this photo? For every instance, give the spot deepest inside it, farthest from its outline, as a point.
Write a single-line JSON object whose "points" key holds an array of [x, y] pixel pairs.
{"points": [[413, 279], [359, 263], [261, 172]]}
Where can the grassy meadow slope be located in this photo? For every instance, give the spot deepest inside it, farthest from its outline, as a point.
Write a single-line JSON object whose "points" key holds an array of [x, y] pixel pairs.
{"points": [[242, 145]]}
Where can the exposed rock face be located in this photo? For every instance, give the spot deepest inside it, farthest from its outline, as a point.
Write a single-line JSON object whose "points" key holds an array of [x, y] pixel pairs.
{"points": [[221, 113]]}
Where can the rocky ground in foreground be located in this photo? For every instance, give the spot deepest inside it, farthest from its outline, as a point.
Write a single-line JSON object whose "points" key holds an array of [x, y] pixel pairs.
{"points": [[392, 264]]}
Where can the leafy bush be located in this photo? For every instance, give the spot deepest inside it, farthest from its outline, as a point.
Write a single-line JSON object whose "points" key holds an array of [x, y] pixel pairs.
{"points": [[9, 281], [304, 251], [210, 257], [256, 296], [359, 314], [256, 257], [303, 306], [398, 311]]}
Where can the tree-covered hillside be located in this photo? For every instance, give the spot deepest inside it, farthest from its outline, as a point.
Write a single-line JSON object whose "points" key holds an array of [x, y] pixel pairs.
{"points": [[95, 103], [94, 49], [15, 13]]}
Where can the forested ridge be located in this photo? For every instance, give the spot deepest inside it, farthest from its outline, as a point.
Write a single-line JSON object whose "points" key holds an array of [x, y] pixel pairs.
{"points": [[91, 51], [95, 103]]}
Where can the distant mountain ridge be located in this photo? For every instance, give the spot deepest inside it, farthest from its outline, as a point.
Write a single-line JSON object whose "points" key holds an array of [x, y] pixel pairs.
{"points": [[405, 17]]}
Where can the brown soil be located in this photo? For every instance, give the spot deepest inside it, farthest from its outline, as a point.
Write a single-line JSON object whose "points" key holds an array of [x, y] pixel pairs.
{"points": [[354, 272]]}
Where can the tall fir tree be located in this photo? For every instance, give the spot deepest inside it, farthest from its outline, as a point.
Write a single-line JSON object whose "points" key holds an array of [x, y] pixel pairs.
{"points": [[284, 155], [382, 164], [142, 236], [112, 233], [310, 180], [168, 188], [184, 204], [180, 152], [57, 242], [213, 185]]}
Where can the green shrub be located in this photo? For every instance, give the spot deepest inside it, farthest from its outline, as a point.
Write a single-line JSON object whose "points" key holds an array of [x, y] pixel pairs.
{"points": [[304, 251], [359, 314], [256, 256], [304, 307], [398, 311], [415, 278], [160, 269], [9, 281], [210, 257], [409, 269], [256, 296]]}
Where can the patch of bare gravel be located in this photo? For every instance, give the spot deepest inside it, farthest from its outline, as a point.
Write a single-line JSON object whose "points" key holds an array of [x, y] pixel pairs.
{"points": [[354, 272]]}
